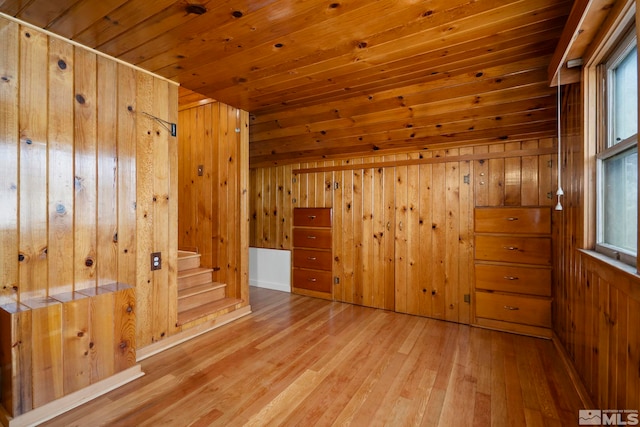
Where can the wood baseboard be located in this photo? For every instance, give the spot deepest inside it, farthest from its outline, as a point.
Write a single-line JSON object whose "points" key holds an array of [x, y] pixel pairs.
{"points": [[578, 385], [70, 401], [173, 340]]}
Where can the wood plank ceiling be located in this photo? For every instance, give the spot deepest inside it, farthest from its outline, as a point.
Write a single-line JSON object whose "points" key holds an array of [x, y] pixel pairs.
{"points": [[333, 78]]}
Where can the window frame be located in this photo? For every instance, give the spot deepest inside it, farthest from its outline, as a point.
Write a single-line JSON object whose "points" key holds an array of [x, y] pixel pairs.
{"points": [[605, 147]]}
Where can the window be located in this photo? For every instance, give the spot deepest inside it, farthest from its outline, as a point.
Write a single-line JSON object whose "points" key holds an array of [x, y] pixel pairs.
{"points": [[617, 157]]}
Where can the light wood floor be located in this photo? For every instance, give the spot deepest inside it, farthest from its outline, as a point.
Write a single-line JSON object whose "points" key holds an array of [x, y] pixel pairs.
{"points": [[301, 361]]}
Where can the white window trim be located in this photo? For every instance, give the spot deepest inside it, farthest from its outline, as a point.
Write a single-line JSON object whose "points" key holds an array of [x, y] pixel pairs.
{"points": [[607, 151]]}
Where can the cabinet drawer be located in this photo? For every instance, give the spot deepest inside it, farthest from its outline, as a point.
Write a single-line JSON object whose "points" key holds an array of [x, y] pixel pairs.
{"points": [[312, 217], [514, 308], [507, 278], [313, 280], [307, 258], [525, 250], [312, 238], [513, 220]]}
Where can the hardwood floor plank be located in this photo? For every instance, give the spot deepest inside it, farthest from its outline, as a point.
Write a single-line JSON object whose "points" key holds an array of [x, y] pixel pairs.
{"points": [[298, 360]]}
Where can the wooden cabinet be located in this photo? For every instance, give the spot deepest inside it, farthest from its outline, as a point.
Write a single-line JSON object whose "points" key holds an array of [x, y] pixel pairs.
{"points": [[312, 256], [513, 269]]}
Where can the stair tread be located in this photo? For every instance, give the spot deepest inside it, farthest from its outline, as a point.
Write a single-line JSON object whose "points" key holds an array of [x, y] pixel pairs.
{"points": [[199, 289], [186, 254], [193, 271], [206, 309]]}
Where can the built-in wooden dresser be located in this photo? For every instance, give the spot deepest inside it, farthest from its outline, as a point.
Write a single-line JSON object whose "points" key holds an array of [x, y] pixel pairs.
{"points": [[513, 269], [312, 252]]}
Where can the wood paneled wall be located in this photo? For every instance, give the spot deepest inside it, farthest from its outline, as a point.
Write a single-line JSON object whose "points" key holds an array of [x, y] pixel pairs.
{"points": [[403, 223], [88, 191], [213, 206], [596, 308]]}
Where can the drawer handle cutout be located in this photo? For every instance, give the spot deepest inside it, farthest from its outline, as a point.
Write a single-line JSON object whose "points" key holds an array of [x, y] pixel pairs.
{"points": [[311, 237], [512, 218], [311, 258], [311, 216], [511, 308], [511, 248], [510, 278], [312, 279]]}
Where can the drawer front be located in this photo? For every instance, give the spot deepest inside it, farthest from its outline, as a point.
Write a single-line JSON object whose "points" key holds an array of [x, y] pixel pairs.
{"points": [[513, 220], [507, 278], [525, 250], [307, 258], [312, 238], [312, 217], [514, 308], [313, 280]]}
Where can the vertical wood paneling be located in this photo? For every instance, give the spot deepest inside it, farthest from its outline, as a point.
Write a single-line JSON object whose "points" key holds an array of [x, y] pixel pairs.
{"points": [[389, 200], [161, 298], [465, 253], [127, 175], [368, 240], [379, 239], [76, 342], [512, 176], [596, 304], [425, 268], [423, 291], [71, 132], [401, 236], [496, 177], [125, 327], [85, 212], [452, 260], [243, 206], [144, 210], [529, 176], [354, 293], [61, 166], [33, 164], [438, 239], [414, 259], [47, 360], [9, 149], [16, 352], [171, 262], [347, 254], [101, 335], [107, 158]]}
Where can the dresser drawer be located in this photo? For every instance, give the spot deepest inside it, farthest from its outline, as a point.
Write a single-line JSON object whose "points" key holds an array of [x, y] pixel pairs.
{"points": [[312, 238], [308, 258], [513, 220], [514, 308], [525, 250], [313, 280], [312, 217], [507, 278]]}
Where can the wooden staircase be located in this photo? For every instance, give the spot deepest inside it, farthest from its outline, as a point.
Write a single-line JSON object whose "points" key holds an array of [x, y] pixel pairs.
{"points": [[198, 295]]}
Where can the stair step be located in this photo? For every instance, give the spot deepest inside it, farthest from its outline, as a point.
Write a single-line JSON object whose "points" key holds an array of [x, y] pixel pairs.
{"points": [[188, 260], [200, 295], [194, 277], [206, 309]]}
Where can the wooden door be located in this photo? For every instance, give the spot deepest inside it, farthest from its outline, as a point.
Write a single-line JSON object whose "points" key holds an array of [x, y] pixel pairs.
{"points": [[433, 237], [364, 212]]}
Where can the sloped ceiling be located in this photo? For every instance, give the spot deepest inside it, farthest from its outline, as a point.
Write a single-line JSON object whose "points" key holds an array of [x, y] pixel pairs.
{"points": [[325, 79]]}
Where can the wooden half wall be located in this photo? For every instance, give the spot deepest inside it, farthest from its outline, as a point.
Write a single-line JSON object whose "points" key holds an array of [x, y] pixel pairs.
{"points": [[88, 191], [403, 223]]}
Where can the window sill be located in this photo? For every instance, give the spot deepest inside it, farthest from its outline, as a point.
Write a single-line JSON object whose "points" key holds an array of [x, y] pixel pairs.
{"points": [[612, 263]]}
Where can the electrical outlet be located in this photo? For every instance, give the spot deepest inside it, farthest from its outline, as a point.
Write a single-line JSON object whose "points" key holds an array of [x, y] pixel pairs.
{"points": [[156, 261]]}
